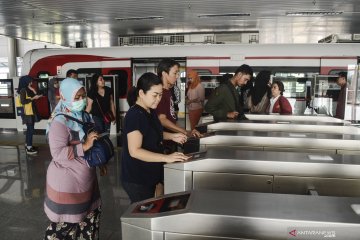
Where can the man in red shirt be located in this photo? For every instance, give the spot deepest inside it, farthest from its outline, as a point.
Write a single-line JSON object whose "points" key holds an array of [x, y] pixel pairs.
{"points": [[168, 72]]}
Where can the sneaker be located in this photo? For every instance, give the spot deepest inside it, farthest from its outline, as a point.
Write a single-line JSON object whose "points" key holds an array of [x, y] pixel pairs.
{"points": [[33, 147], [31, 151]]}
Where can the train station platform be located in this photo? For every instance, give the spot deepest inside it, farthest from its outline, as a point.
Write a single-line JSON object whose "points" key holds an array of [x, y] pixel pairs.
{"points": [[22, 189]]}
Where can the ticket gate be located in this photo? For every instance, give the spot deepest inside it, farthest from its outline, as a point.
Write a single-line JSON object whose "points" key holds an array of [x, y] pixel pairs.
{"points": [[277, 117], [305, 118], [283, 126], [206, 214], [261, 171], [278, 141]]}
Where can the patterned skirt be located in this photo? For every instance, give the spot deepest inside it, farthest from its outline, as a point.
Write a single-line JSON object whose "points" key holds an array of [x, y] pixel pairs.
{"points": [[88, 229]]}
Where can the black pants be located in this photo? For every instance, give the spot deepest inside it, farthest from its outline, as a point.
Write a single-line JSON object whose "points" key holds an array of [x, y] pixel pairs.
{"points": [[138, 192]]}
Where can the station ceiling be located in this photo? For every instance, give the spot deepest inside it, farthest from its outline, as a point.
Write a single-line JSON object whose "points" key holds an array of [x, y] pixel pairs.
{"points": [[100, 22]]}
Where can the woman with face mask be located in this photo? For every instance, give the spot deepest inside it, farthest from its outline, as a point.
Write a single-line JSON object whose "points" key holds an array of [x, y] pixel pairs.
{"points": [[72, 201]]}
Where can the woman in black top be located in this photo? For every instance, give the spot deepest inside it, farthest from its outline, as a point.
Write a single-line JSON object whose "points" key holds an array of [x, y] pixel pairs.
{"points": [[99, 102], [142, 155], [27, 96]]}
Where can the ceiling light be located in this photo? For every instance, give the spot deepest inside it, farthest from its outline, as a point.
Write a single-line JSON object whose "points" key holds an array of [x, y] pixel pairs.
{"points": [[313, 13], [140, 18], [63, 22], [224, 15]]}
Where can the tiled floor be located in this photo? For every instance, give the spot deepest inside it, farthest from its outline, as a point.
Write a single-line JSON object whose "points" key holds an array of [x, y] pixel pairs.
{"points": [[22, 184]]}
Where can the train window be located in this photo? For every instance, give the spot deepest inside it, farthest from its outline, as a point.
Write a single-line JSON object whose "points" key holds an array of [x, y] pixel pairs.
{"points": [[43, 75], [336, 71], [293, 87], [83, 72], [42, 88]]}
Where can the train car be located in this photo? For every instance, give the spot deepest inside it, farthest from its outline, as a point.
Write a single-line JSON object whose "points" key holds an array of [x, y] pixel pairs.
{"points": [[123, 65]]}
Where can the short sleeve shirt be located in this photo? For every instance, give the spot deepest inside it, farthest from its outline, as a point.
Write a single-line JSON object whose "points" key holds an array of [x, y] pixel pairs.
{"points": [[104, 102], [166, 106], [134, 170]]}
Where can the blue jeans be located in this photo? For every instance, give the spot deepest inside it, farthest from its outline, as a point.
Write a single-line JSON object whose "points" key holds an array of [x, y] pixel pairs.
{"points": [[101, 125], [29, 134], [138, 192]]}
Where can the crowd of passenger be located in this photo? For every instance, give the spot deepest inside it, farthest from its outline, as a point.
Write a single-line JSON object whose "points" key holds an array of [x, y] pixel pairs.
{"points": [[151, 133]]}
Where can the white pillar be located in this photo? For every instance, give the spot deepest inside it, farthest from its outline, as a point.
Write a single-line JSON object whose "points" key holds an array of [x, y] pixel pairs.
{"points": [[12, 57]]}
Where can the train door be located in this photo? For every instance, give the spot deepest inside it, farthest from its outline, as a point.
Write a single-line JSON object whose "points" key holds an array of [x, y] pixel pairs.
{"points": [[141, 66], [42, 104]]}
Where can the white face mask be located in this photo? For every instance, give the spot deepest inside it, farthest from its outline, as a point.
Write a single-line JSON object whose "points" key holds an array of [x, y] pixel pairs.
{"points": [[78, 106]]}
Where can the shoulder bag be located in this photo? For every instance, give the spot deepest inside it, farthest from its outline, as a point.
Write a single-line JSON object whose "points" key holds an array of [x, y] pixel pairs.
{"points": [[108, 117], [101, 151]]}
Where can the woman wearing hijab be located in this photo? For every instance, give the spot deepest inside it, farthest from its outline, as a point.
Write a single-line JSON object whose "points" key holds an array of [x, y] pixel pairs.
{"points": [[27, 96], [53, 92], [195, 98], [259, 96], [72, 201]]}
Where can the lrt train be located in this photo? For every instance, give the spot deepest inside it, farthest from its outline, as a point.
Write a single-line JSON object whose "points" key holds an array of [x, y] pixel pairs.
{"points": [[294, 64]]}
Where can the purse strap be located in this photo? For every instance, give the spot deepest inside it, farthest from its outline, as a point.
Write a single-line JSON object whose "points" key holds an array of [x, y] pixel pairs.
{"points": [[100, 107], [71, 118]]}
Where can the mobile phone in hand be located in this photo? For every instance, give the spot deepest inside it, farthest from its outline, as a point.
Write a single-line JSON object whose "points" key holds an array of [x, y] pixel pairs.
{"points": [[103, 134]]}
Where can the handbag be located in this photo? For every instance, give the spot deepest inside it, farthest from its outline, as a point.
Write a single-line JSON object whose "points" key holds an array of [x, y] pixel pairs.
{"points": [[108, 117], [23, 109], [101, 151]]}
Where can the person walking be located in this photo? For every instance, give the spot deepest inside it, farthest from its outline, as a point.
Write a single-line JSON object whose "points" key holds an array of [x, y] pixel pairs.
{"points": [[100, 103], [195, 97], [72, 202]]}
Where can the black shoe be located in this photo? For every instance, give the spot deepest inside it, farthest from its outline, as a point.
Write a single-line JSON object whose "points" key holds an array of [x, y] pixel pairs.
{"points": [[31, 151]]}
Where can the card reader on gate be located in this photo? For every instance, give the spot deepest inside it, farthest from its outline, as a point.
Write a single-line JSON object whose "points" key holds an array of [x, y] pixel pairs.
{"points": [[165, 204], [195, 155]]}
